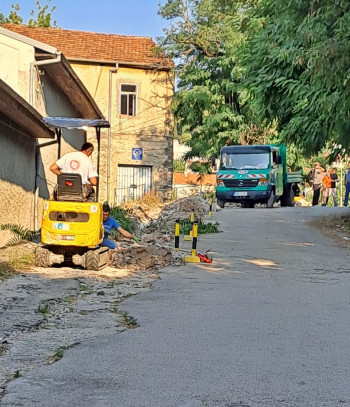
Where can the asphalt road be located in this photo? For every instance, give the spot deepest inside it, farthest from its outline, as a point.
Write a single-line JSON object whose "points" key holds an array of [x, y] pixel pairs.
{"points": [[267, 324]]}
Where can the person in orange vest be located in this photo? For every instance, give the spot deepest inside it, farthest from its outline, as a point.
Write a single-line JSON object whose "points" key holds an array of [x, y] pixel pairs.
{"points": [[326, 185]]}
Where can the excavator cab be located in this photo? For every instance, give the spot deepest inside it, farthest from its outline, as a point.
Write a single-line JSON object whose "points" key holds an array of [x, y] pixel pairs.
{"points": [[72, 225]]}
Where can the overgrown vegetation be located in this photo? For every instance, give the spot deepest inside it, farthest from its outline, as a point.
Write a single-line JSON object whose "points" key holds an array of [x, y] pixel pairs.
{"points": [[129, 321], [121, 216], [59, 353], [201, 168], [44, 307], [203, 228], [19, 233], [179, 165], [15, 263]]}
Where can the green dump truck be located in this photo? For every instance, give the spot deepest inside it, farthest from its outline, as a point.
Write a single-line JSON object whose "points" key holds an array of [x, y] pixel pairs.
{"points": [[255, 174]]}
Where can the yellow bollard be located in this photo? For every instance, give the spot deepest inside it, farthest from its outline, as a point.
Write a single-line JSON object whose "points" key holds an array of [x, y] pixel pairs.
{"points": [[210, 206], [189, 237], [193, 258], [177, 234]]}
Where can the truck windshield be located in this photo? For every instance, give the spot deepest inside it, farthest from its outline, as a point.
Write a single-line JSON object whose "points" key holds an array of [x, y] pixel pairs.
{"points": [[231, 161]]}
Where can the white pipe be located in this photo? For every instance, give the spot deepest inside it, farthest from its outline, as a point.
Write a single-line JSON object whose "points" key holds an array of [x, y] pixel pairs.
{"points": [[31, 102], [32, 73], [111, 71]]}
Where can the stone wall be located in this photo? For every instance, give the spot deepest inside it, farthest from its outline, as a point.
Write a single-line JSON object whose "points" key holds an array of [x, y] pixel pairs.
{"points": [[150, 129]]}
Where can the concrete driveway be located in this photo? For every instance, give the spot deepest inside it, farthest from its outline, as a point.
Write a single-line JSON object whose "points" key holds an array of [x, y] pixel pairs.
{"points": [[267, 324]]}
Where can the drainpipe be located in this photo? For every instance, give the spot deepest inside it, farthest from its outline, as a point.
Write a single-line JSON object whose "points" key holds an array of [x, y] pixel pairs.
{"points": [[111, 72], [31, 102], [32, 73]]}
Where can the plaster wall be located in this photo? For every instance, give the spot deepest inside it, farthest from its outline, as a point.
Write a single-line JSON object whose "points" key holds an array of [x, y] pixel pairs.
{"points": [[17, 178], [150, 129], [17, 154], [15, 59]]}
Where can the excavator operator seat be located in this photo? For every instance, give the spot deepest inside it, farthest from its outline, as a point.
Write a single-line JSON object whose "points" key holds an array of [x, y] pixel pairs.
{"points": [[69, 188]]}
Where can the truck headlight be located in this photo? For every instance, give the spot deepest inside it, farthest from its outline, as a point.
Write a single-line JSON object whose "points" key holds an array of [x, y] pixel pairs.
{"points": [[219, 182], [263, 182]]}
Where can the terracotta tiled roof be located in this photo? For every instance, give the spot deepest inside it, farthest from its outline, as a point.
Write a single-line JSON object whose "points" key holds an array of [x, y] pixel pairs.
{"points": [[95, 46]]}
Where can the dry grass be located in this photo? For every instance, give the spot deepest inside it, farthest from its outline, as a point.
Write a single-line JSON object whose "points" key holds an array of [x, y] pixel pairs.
{"points": [[14, 260], [151, 200], [336, 227]]}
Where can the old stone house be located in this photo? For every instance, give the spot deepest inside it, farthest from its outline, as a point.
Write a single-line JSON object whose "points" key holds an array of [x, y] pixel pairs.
{"points": [[35, 81], [133, 87]]}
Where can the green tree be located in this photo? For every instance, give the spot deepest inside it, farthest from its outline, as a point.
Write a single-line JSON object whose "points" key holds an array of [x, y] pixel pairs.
{"points": [[13, 16], [210, 104], [297, 70], [41, 17]]}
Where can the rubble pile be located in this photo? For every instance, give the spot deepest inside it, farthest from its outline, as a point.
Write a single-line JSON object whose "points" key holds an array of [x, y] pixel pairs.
{"points": [[144, 256], [155, 227]]}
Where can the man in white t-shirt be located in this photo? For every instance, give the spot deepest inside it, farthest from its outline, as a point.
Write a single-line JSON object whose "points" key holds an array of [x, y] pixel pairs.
{"points": [[78, 162]]}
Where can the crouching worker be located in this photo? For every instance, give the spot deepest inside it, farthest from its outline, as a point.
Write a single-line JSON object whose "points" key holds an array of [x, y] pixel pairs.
{"points": [[110, 223]]}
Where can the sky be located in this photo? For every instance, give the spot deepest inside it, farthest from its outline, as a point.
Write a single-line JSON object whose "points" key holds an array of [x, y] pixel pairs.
{"points": [[128, 17]]}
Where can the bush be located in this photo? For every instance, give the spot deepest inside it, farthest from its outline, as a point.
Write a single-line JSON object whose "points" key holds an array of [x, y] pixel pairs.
{"points": [[203, 228], [121, 216], [179, 165]]}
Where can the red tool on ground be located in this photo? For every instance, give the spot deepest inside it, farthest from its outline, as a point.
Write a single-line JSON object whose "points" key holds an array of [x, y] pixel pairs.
{"points": [[204, 257]]}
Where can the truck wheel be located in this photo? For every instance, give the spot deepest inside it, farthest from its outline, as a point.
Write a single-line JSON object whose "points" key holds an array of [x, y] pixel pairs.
{"points": [[250, 204], [271, 200], [42, 257], [291, 198], [220, 203], [92, 260], [288, 197]]}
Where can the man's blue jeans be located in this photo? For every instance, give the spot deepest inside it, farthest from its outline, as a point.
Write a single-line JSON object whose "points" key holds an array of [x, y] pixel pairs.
{"points": [[347, 192], [109, 243]]}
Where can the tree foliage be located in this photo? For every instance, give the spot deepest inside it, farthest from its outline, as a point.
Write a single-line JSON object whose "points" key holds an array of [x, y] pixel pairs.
{"points": [[41, 17], [297, 69], [210, 104]]}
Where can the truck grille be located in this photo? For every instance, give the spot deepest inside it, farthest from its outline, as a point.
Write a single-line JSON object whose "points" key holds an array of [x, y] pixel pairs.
{"points": [[241, 183]]}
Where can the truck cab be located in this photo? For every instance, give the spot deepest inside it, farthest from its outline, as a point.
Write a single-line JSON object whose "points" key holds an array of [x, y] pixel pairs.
{"points": [[254, 174]]}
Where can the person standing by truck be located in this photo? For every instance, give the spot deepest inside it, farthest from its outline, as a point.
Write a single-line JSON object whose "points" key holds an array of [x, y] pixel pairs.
{"points": [[333, 188], [347, 185], [317, 175], [326, 186]]}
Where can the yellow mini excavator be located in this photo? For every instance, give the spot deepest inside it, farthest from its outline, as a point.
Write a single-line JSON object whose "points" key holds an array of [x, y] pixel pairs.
{"points": [[72, 227]]}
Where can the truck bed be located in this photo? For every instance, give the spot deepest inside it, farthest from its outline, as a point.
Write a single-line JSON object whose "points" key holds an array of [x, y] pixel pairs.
{"points": [[294, 177]]}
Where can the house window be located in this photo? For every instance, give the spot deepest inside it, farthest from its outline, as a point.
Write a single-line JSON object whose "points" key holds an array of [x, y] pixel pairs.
{"points": [[128, 99]]}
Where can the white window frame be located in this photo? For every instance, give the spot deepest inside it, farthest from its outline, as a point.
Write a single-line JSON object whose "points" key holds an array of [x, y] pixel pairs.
{"points": [[133, 94]]}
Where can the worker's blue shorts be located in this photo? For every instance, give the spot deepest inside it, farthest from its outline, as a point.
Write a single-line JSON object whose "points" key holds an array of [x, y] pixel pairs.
{"points": [[109, 243]]}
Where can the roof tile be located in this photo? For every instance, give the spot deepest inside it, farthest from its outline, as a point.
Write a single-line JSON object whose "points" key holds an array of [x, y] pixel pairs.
{"points": [[96, 46]]}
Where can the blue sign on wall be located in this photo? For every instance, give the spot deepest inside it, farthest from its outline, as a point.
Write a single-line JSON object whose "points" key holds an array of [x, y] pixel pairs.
{"points": [[136, 153]]}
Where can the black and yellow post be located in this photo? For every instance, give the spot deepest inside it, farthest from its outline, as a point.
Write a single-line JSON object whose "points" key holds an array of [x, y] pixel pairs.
{"points": [[193, 258], [177, 234], [210, 206], [189, 237]]}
